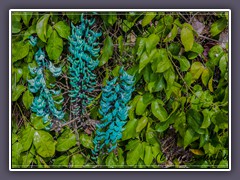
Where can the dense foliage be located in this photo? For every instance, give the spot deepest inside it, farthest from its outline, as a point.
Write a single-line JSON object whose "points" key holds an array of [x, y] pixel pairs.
{"points": [[152, 87]]}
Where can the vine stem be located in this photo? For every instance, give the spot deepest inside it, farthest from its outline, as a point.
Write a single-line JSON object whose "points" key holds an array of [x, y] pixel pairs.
{"points": [[204, 37], [65, 124], [24, 117], [185, 83]]}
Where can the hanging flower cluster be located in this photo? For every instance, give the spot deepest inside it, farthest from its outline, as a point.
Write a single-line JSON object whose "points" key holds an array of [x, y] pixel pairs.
{"points": [[44, 104], [33, 40], [83, 61], [114, 110]]}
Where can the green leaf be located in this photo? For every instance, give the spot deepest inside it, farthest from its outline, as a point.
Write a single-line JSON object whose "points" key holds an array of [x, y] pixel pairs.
{"points": [[27, 159], [130, 129], [49, 31], [218, 26], [143, 102], [223, 164], [226, 96], [168, 20], [115, 71], [16, 75], [180, 124], [172, 34], [16, 24], [44, 143], [215, 54], [143, 61], [159, 111], [148, 156], [111, 160], [133, 16], [223, 64], [16, 92], [61, 162], [196, 70], [132, 144], [120, 44], [169, 76], [204, 138], [195, 120], [26, 138], [210, 149], [205, 76], [220, 119], [77, 161], [187, 37], [210, 87], [107, 51], [151, 42], [162, 63], [41, 162], [41, 27], [54, 46], [30, 57], [27, 99], [192, 55], [184, 63], [188, 78], [126, 25], [148, 18], [157, 82], [133, 105], [147, 71], [63, 29], [157, 153], [151, 137], [86, 141], [37, 121], [26, 17], [206, 99], [140, 46], [134, 155], [19, 50], [207, 118], [75, 17], [112, 18], [50, 79], [174, 48], [16, 151], [197, 48], [66, 141], [120, 158], [178, 23], [141, 124], [31, 30], [162, 126], [190, 136], [14, 137]]}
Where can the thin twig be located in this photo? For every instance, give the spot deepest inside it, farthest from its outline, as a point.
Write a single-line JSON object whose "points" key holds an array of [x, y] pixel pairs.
{"points": [[65, 124]]}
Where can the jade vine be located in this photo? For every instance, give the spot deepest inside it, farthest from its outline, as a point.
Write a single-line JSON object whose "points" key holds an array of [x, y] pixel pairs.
{"points": [[83, 60], [114, 110], [44, 104]]}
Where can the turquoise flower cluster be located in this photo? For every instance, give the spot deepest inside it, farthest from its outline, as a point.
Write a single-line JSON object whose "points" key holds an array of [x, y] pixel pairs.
{"points": [[83, 60], [114, 110], [44, 104], [33, 40]]}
